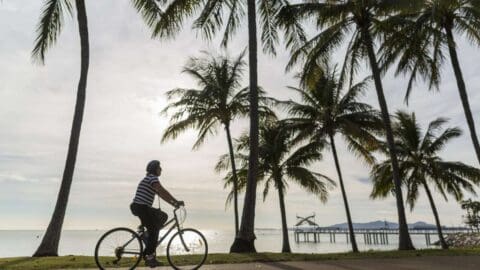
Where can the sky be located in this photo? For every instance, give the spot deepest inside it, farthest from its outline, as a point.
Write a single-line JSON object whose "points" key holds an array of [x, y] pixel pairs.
{"points": [[128, 78]]}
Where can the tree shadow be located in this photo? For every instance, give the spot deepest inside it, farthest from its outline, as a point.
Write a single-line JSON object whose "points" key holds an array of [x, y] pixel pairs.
{"points": [[281, 265], [265, 259]]}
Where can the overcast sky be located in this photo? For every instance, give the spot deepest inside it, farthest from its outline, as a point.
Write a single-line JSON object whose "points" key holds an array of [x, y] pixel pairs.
{"points": [[129, 75]]}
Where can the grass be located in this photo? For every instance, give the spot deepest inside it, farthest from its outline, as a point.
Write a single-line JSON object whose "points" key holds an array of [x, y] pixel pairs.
{"points": [[76, 262]]}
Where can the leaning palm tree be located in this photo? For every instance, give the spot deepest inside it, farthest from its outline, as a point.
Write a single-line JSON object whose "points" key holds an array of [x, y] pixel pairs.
{"points": [[210, 17], [280, 162], [431, 29], [362, 19], [49, 28], [422, 167], [217, 103], [325, 110]]}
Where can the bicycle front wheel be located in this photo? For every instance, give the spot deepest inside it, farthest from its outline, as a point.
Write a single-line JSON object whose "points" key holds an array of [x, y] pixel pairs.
{"points": [[118, 248], [187, 242]]}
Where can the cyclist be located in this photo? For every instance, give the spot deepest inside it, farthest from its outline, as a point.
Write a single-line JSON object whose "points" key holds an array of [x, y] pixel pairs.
{"points": [[153, 219]]}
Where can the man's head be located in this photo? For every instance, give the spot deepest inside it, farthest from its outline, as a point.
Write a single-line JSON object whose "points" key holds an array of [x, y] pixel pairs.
{"points": [[153, 167]]}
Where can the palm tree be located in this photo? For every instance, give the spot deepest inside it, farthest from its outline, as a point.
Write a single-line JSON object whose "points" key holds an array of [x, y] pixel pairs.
{"points": [[209, 19], [49, 28], [219, 101], [421, 165], [431, 29], [281, 161], [326, 110], [337, 19]]}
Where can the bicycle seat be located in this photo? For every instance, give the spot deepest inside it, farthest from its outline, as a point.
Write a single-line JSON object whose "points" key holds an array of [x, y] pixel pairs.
{"points": [[141, 228]]}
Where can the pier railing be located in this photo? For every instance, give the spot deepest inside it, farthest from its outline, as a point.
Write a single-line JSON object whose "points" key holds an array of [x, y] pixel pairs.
{"points": [[370, 236]]}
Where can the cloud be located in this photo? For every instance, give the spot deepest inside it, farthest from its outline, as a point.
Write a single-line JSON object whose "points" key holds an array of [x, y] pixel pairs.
{"points": [[129, 75]]}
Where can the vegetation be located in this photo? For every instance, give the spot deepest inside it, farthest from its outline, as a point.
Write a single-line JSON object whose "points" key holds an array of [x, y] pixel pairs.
{"points": [[209, 19], [422, 167], [363, 19], [431, 26], [325, 110], [76, 262], [219, 101], [49, 28], [472, 219], [279, 152], [280, 160]]}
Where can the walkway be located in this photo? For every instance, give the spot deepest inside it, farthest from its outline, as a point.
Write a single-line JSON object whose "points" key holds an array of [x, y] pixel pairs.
{"points": [[420, 263]]}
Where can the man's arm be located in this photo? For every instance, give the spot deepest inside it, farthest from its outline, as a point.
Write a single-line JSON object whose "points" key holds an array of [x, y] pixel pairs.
{"points": [[165, 195]]}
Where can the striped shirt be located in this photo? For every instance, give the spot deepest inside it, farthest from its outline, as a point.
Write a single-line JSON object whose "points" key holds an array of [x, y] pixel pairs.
{"points": [[145, 193]]}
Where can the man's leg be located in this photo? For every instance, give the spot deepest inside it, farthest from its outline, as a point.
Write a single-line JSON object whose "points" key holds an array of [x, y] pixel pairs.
{"points": [[144, 214], [153, 229]]}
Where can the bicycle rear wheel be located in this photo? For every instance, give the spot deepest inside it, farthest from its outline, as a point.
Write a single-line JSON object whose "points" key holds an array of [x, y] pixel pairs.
{"points": [[118, 248], [187, 242]]}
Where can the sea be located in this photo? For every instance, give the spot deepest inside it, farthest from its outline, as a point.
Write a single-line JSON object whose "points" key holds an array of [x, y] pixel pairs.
{"points": [[14, 243]]}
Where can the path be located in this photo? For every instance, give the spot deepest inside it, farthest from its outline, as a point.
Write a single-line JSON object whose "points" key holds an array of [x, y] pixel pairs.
{"points": [[414, 263]]}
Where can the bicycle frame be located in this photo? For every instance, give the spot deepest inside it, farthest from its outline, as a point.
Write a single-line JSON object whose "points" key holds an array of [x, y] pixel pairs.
{"points": [[174, 225]]}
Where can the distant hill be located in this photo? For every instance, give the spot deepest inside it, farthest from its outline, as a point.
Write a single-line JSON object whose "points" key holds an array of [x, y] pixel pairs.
{"points": [[379, 224]]}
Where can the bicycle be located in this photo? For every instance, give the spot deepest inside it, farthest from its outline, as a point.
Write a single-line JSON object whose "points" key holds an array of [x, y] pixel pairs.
{"points": [[123, 247]]}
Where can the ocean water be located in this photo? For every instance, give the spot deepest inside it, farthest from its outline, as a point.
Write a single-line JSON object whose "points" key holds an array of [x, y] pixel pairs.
{"points": [[23, 243]]}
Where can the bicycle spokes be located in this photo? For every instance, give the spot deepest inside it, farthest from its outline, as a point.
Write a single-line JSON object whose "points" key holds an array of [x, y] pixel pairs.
{"points": [[117, 248]]}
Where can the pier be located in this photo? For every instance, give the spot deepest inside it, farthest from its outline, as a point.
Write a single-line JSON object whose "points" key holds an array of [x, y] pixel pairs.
{"points": [[370, 236]]}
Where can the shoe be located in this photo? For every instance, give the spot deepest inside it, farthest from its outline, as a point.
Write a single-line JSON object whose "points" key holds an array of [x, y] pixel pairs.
{"points": [[151, 261]]}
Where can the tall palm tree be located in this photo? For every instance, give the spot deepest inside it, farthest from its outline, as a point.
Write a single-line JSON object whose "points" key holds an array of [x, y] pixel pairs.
{"points": [[281, 161], [421, 165], [49, 28], [325, 110], [362, 19], [431, 29], [209, 18], [217, 103]]}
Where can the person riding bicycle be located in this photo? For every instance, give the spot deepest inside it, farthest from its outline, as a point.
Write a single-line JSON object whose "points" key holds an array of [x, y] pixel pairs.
{"points": [[153, 219]]}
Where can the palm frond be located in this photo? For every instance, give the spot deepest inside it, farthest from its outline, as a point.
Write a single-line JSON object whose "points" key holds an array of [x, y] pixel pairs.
{"points": [[149, 9], [50, 26], [173, 17]]}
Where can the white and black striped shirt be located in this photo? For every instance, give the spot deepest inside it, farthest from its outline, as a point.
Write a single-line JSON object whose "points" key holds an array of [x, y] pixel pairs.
{"points": [[145, 193]]}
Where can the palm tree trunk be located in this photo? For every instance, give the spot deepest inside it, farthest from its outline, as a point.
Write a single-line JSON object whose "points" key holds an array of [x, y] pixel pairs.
{"points": [[463, 91], [285, 240], [235, 178], [344, 195], [51, 239], [244, 242], [405, 243], [437, 219]]}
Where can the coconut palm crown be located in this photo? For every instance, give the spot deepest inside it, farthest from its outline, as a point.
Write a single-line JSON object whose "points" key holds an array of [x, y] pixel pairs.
{"points": [[359, 23], [210, 17], [422, 167], [430, 30], [218, 102], [326, 109], [281, 161]]}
